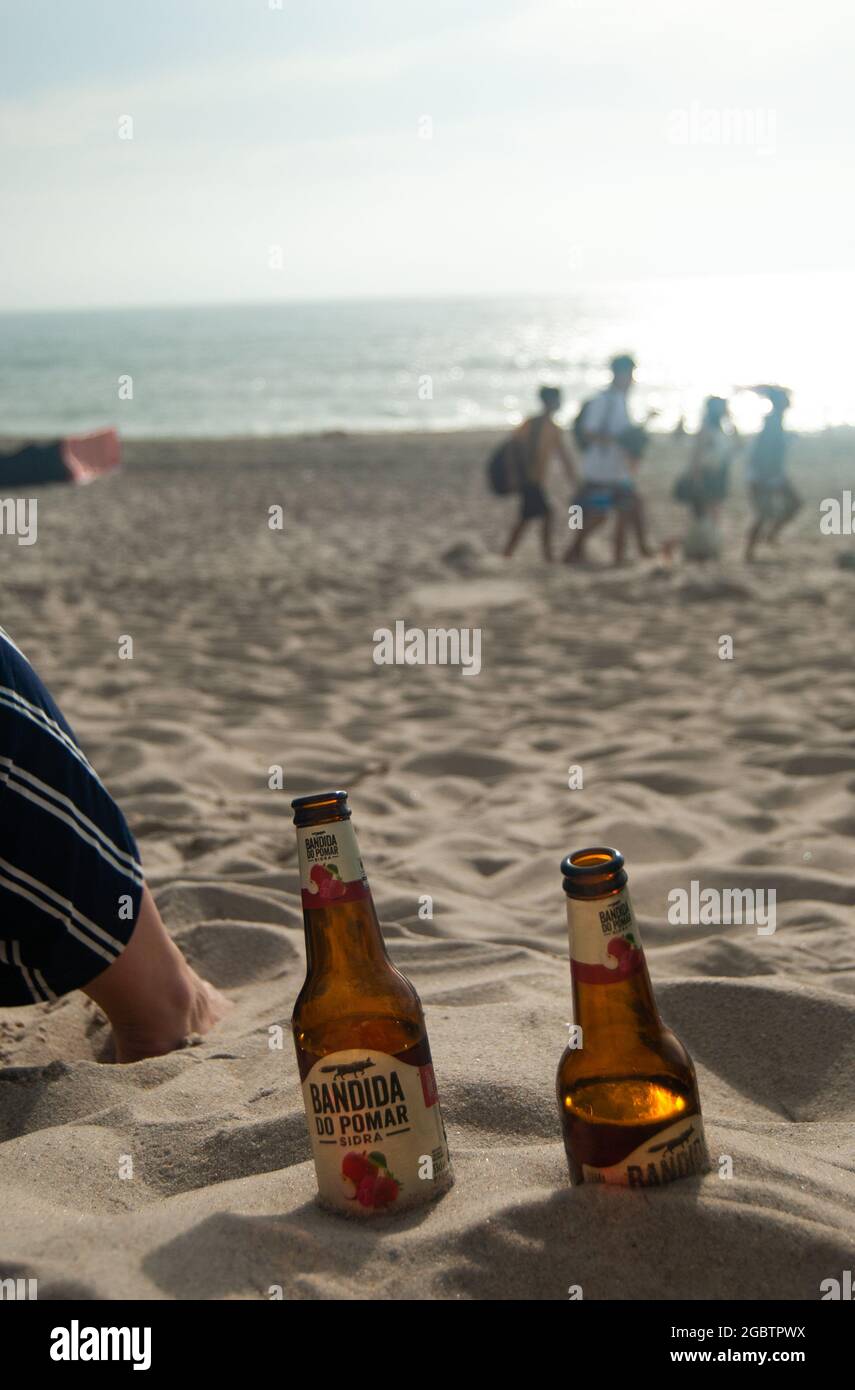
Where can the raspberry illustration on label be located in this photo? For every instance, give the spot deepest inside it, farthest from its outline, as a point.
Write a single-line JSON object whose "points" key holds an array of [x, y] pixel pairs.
{"points": [[625, 953], [368, 1179], [325, 880]]}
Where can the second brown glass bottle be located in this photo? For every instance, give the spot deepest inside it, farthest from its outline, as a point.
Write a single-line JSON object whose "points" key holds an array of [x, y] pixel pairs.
{"points": [[627, 1091]]}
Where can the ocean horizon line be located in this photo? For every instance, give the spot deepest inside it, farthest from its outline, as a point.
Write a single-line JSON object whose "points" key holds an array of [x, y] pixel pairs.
{"points": [[583, 287]]}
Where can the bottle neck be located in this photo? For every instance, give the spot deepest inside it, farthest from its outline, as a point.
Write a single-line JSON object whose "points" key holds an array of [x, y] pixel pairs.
{"points": [[611, 985], [343, 940], [342, 931]]}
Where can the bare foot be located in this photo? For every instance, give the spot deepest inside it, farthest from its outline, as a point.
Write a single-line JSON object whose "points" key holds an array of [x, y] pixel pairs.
{"points": [[202, 1007], [150, 994]]}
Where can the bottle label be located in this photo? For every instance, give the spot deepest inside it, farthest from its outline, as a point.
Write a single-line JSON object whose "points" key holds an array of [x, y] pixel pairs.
{"points": [[376, 1129], [330, 867], [676, 1152], [605, 946]]}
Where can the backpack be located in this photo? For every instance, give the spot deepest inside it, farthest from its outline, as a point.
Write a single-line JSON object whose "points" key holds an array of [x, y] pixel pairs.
{"points": [[503, 472], [633, 439], [507, 465]]}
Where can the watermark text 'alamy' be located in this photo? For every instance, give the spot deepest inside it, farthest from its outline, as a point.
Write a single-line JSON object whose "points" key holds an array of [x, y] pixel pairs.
{"points": [[432, 646]]}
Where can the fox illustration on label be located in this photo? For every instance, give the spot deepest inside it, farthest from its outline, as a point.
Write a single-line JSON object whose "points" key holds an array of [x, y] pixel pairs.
{"points": [[351, 1068]]}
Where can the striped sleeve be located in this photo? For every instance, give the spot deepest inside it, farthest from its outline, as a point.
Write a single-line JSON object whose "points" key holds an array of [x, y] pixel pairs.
{"points": [[70, 878]]}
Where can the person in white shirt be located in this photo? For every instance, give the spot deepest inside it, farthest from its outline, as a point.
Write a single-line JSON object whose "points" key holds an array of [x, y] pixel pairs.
{"points": [[609, 459]]}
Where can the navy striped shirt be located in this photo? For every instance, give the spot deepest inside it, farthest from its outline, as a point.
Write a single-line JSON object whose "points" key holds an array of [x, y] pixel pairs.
{"points": [[70, 878]]}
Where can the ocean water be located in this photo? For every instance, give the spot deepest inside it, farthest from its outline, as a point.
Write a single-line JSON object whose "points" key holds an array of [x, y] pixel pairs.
{"points": [[435, 364]]}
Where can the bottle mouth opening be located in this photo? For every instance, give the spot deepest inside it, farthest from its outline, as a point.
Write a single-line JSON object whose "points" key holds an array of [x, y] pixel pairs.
{"points": [[591, 873], [320, 806]]}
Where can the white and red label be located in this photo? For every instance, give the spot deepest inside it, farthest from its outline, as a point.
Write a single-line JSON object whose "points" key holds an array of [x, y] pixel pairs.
{"points": [[331, 869], [680, 1151], [376, 1130], [605, 946]]}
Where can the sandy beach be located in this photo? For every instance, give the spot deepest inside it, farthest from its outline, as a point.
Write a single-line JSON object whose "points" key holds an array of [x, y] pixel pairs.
{"points": [[252, 649]]}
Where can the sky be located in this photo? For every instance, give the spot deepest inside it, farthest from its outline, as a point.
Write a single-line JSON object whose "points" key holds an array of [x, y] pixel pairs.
{"points": [[306, 150]]}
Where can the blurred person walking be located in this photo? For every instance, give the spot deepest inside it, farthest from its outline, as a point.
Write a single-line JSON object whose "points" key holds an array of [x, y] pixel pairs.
{"points": [[534, 444], [773, 496], [704, 485], [611, 450]]}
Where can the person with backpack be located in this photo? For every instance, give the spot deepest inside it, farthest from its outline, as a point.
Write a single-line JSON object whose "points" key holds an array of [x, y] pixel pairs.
{"points": [[529, 452], [611, 448]]}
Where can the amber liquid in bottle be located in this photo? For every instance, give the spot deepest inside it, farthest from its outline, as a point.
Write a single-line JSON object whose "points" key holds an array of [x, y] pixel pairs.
{"points": [[627, 1091], [362, 1047]]}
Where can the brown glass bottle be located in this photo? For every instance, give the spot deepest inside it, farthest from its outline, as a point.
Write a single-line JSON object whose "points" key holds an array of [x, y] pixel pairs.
{"points": [[627, 1090], [362, 1048]]}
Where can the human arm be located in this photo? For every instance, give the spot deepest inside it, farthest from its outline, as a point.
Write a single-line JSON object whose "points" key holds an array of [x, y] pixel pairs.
{"points": [[568, 457]]}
